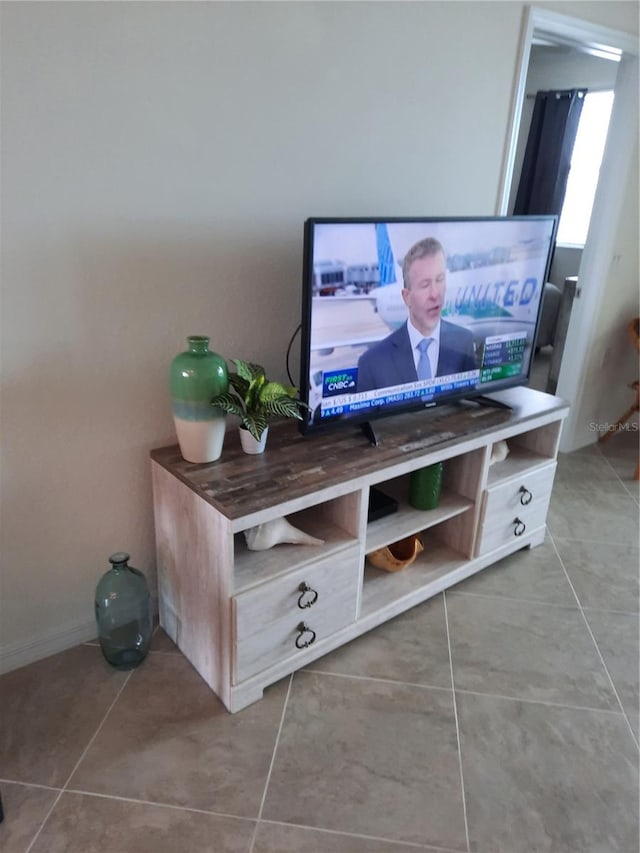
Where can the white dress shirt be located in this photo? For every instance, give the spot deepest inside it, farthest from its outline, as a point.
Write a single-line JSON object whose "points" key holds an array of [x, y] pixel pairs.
{"points": [[434, 348]]}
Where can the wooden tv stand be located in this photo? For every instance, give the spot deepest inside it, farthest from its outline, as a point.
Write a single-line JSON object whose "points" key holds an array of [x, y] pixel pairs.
{"points": [[240, 617]]}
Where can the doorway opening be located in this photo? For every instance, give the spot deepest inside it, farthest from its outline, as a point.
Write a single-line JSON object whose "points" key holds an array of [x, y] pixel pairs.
{"points": [[547, 36], [586, 160], [561, 68]]}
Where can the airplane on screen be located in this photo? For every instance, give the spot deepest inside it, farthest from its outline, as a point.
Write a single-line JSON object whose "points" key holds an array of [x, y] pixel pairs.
{"points": [[488, 292]]}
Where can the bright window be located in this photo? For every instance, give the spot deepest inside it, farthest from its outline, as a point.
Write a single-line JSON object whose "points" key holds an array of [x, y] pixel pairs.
{"points": [[585, 168]]}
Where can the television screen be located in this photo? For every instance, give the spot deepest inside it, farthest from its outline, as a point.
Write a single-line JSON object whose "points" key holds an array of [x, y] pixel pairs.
{"points": [[406, 313]]}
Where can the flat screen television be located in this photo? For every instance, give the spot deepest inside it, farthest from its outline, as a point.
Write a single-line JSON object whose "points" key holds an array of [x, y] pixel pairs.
{"points": [[401, 314]]}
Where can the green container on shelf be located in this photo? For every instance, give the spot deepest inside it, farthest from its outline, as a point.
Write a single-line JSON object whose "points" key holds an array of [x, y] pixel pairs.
{"points": [[425, 486]]}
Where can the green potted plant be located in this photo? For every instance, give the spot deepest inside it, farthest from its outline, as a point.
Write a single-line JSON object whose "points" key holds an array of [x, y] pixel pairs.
{"points": [[257, 400]]}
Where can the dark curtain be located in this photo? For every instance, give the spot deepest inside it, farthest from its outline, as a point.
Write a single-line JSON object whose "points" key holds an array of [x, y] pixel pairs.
{"points": [[547, 158]]}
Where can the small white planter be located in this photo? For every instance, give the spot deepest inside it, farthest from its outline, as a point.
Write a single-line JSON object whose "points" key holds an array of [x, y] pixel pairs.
{"points": [[249, 444]]}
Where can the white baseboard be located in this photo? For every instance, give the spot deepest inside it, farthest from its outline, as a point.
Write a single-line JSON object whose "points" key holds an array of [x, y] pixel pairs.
{"points": [[15, 655]]}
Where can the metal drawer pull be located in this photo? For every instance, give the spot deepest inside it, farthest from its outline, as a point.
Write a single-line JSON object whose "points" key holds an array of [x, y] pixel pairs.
{"points": [[525, 496], [519, 528], [304, 588], [304, 629]]}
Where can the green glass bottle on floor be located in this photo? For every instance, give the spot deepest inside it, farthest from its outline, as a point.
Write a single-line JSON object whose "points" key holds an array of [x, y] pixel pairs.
{"points": [[123, 614]]}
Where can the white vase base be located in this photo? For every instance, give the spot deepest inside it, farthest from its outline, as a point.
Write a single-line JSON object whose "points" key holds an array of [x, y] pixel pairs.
{"points": [[200, 441]]}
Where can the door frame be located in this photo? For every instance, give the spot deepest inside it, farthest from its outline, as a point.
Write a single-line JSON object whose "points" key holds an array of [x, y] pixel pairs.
{"points": [[599, 251]]}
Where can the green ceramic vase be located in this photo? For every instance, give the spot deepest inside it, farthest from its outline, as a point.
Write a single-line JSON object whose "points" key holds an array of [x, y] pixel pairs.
{"points": [[197, 375]]}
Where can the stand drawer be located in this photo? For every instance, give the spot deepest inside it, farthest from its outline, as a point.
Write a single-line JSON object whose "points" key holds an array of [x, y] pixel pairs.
{"points": [[512, 528], [516, 508], [268, 617], [522, 493]]}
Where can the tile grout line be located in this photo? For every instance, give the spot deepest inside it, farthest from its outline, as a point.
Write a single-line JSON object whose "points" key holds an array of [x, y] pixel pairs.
{"points": [[624, 485], [540, 601], [271, 763], [611, 610], [410, 845], [7, 781], [375, 678], [157, 804], [568, 490], [602, 455], [528, 700], [597, 647], [455, 715], [622, 482], [517, 600], [75, 767], [597, 541], [99, 729], [543, 703], [241, 818], [625, 493]]}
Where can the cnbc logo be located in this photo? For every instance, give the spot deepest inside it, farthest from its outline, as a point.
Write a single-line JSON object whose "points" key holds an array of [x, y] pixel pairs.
{"points": [[339, 382]]}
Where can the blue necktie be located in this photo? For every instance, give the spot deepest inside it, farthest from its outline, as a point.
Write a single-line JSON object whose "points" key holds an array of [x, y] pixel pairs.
{"points": [[424, 365]]}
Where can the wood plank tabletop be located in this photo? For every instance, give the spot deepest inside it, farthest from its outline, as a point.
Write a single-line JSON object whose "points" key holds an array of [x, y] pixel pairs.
{"points": [[294, 466]]}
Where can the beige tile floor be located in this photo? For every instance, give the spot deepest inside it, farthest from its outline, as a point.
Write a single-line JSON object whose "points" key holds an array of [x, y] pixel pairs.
{"points": [[498, 717]]}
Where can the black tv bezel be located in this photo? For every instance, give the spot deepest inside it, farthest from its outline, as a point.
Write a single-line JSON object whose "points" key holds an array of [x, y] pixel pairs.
{"points": [[342, 421]]}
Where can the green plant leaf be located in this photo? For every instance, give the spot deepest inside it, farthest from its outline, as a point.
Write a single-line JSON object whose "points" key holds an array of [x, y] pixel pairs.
{"points": [[228, 403], [255, 399], [273, 390], [256, 423], [252, 397], [248, 370], [239, 384], [283, 407]]}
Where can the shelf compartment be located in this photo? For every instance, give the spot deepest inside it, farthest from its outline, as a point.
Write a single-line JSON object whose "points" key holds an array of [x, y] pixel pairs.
{"points": [[408, 520], [255, 567], [519, 462], [382, 590], [527, 450]]}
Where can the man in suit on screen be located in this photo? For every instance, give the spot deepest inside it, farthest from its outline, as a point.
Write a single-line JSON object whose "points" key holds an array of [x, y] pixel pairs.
{"points": [[425, 345]]}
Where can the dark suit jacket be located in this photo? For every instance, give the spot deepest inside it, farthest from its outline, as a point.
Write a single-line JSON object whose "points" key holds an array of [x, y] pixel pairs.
{"points": [[390, 361]]}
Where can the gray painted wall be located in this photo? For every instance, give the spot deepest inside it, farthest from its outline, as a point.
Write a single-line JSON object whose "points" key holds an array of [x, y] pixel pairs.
{"points": [[158, 161]]}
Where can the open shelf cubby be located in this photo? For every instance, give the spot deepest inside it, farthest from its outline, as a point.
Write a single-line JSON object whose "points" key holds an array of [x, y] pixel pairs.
{"points": [[383, 589], [526, 451], [408, 520], [255, 567]]}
